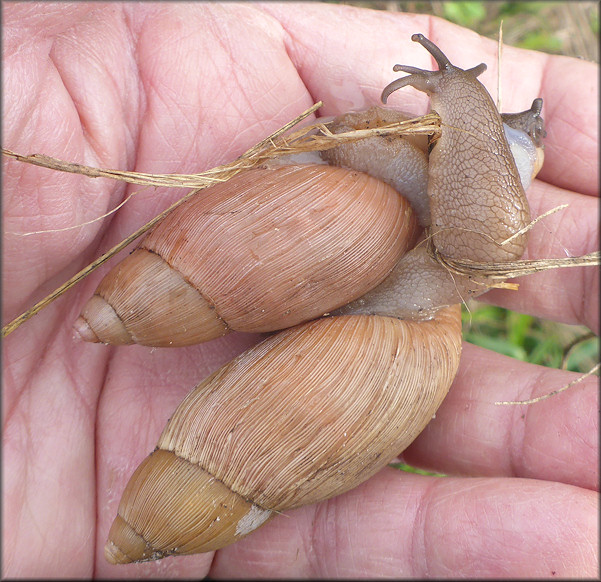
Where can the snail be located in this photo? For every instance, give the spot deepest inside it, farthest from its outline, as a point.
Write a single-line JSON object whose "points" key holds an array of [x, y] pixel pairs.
{"points": [[299, 240], [318, 408], [498, 156]]}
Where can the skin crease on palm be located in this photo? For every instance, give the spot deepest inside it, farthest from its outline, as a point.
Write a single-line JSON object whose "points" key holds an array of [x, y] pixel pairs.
{"points": [[182, 88]]}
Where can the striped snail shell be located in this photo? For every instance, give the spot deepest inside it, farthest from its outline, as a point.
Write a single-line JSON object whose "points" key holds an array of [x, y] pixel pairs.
{"points": [[268, 249], [307, 414]]}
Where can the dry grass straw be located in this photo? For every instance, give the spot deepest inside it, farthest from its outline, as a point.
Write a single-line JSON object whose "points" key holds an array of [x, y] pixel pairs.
{"points": [[275, 146], [553, 393], [314, 137], [496, 273]]}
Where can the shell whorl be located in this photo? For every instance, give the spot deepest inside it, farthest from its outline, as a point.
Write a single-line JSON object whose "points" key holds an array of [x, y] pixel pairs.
{"points": [[266, 250]]}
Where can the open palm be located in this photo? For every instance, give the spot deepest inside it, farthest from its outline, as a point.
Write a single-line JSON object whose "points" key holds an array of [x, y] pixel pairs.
{"points": [[182, 88]]}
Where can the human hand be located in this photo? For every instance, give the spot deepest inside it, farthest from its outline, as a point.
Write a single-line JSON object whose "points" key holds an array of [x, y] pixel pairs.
{"points": [[182, 88]]}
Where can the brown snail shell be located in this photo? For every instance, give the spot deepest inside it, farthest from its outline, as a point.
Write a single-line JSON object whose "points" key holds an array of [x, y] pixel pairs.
{"points": [[266, 250], [264, 434]]}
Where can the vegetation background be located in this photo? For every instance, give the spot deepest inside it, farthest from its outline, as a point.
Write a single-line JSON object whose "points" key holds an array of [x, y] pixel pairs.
{"points": [[566, 28]]}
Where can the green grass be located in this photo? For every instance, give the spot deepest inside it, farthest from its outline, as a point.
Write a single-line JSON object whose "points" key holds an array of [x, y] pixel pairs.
{"points": [[416, 470], [530, 339], [567, 28]]}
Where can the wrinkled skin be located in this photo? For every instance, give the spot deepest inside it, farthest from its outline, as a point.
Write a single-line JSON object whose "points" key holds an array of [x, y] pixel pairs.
{"points": [[182, 88]]}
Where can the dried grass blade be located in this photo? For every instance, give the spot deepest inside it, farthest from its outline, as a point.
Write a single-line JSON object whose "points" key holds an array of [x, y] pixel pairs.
{"points": [[225, 172]]}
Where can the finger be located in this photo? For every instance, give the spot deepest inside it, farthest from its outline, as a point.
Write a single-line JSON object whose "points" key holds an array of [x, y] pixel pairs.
{"points": [[51, 21], [349, 69], [555, 439], [48, 457], [402, 525], [570, 87], [74, 109], [568, 295]]}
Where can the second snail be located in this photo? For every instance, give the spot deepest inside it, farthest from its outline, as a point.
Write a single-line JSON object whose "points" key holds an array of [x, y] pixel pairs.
{"points": [[318, 408]]}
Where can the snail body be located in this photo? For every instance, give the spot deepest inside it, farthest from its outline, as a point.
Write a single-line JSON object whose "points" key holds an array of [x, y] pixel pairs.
{"points": [[316, 409], [478, 210], [471, 165]]}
